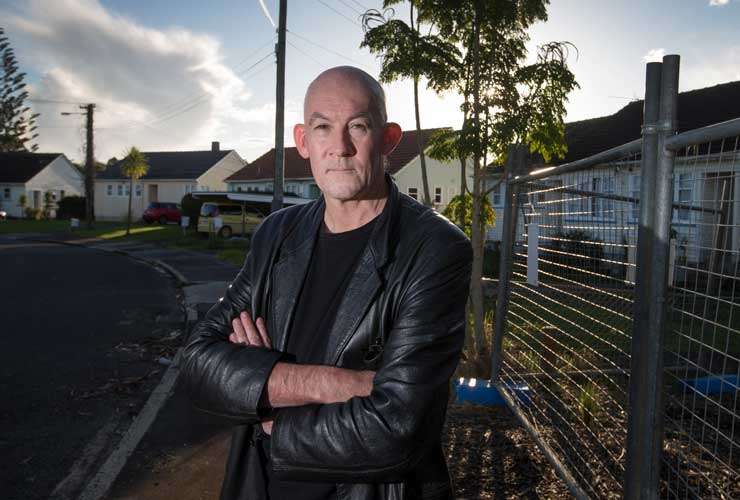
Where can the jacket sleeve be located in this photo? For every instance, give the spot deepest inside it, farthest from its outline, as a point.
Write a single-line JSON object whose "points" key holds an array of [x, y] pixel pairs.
{"points": [[224, 378], [382, 437]]}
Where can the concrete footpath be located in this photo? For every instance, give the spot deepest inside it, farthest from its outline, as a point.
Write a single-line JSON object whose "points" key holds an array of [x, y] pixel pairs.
{"points": [[183, 451]]}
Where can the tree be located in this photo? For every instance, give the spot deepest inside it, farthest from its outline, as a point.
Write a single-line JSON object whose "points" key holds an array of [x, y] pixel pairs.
{"points": [[477, 48], [49, 204], [17, 123], [400, 46], [134, 166]]}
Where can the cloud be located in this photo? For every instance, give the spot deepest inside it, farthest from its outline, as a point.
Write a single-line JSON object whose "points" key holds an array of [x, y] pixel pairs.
{"points": [[654, 55], [716, 3], [724, 66], [153, 88]]}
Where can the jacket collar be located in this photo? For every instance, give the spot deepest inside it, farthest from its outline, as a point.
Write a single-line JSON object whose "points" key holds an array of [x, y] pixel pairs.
{"points": [[306, 230]]}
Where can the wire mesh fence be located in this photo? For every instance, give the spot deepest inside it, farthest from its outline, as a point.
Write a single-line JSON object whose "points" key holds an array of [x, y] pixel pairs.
{"points": [[566, 352], [702, 425]]}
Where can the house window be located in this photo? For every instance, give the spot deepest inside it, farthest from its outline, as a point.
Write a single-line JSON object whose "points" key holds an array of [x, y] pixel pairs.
{"points": [[188, 188], [437, 195], [635, 181], [414, 193], [496, 195], [6, 193], [239, 189], [138, 190], [110, 189], [127, 190], [119, 190], [602, 207], [685, 195]]}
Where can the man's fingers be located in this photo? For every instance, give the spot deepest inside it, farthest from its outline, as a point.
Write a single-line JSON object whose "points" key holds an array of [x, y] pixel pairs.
{"points": [[252, 334], [241, 335], [262, 329]]}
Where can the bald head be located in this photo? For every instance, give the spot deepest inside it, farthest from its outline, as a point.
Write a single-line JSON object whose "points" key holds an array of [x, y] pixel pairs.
{"points": [[341, 76]]}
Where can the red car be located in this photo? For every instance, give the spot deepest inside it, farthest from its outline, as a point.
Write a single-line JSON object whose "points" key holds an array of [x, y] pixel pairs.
{"points": [[162, 213]]}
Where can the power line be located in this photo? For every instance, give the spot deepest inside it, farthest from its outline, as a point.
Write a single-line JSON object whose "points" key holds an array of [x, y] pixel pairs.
{"points": [[305, 53], [53, 101], [364, 9], [200, 99], [339, 13], [354, 9], [325, 48], [185, 101]]}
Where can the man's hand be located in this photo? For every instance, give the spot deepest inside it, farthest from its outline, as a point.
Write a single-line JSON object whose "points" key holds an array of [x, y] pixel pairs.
{"points": [[296, 385], [248, 332]]}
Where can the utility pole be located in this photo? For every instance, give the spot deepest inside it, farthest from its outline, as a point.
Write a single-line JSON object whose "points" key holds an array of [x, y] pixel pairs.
{"points": [[89, 165], [278, 177], [89, 169]]}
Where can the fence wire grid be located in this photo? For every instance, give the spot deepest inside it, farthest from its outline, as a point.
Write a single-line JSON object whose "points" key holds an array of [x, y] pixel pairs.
{"points": [[565, 361], [566, 351], [701, 442]]}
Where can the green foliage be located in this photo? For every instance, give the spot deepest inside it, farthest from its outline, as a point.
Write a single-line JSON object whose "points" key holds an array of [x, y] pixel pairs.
{"points": [[460, 208], [33, 213], [190, 207], [23, 201], [588, 403], [17, 123], [71, 207], [134, 165], [48, 204]]}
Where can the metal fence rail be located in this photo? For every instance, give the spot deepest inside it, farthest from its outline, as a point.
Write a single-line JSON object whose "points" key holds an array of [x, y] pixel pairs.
{"points": [[617, 324]]}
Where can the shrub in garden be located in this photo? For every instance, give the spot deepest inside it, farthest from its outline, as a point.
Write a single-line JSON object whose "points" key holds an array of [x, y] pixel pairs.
{"points": [[190, 207], [71, 207]]}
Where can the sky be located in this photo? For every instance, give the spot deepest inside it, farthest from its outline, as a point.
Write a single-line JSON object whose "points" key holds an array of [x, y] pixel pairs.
{"points": [[178, 74]]}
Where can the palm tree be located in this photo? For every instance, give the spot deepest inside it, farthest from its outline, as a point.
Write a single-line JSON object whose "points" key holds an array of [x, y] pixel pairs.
{"points": [[134, 167]]}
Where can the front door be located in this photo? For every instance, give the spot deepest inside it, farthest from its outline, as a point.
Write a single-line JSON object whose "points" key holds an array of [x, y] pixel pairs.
{"points": [[153, 193]]}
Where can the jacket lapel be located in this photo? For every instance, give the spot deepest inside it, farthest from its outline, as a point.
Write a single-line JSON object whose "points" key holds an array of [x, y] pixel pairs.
{"points": [[360, 293], [366, 282], [289, 273]]}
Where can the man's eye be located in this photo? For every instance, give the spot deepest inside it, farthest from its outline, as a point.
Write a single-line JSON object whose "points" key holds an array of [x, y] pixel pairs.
{"points": [[321, 126], [359, 126]]}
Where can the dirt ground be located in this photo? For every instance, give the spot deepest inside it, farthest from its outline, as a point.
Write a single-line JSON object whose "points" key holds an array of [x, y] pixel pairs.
{"points": [[491, 456]]}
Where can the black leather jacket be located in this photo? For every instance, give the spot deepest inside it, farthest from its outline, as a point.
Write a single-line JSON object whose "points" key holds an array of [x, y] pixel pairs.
{"points": [[409, 291]]}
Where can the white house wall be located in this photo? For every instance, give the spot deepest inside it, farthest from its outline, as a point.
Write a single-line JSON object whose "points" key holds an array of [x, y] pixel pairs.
{"points": [[10, 194], [115, 207], [213, 178], [444, 175], [59, 177]]}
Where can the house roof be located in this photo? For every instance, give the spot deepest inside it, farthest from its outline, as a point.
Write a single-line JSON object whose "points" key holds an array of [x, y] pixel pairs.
{"points": [[170, 165], [21, 167], [696, 108], [297, 168]]}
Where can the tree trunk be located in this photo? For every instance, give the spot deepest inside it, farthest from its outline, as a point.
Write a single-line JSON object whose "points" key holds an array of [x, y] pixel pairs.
{"points": [[476, 289], [130, 193], [422, 158]]}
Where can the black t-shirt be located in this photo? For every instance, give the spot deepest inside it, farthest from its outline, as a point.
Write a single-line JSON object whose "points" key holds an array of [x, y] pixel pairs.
{"points": [[333, 262]]}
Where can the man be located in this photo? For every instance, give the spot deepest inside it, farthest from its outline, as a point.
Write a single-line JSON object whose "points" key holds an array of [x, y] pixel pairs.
{"points": [[333, 347]]}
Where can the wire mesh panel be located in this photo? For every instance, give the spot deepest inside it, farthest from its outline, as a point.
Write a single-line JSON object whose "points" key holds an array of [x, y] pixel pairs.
{"points": [[565, 357], [702, 429]]}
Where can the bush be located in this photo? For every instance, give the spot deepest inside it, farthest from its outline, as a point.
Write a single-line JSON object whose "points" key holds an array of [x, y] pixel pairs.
{"points": [[190, 206], [579, 250], [71, 207], [34, 213]]}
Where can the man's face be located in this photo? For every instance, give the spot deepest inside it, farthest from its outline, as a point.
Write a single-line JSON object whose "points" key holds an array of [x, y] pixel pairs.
{"points": [[343, 139]]}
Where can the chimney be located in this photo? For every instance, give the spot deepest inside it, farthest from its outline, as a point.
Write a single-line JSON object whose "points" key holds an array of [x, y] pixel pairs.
{"points": [[214, 146]]}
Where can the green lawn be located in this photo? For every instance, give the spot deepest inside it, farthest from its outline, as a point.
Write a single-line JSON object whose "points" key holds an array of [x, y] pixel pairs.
{"points": [[169, 235]]}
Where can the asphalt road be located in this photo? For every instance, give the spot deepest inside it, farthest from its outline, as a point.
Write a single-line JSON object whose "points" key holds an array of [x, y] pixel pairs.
{"points": [[80, 332]]}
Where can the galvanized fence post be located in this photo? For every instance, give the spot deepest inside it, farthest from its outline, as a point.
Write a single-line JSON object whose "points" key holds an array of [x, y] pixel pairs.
{"points": [[645, 418], [515, 165]]}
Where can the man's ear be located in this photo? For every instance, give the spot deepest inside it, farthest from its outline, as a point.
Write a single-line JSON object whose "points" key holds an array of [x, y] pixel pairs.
{"points": [[391, 137], [299, 136]]}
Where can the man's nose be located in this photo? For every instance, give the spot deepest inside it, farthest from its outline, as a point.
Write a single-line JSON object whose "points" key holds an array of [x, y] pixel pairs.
{"points": [[342, 144]]}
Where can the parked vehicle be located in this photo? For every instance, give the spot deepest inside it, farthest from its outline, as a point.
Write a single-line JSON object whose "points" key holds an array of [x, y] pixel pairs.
{"points": [[162, 212], [235, 218]]}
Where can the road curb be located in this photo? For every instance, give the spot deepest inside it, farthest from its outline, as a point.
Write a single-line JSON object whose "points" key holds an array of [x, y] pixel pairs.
{"points": [[99, 485]]}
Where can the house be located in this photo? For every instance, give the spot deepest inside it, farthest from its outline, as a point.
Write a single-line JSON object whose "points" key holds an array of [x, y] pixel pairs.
{"points": [[171, 175], [33, 175], [703, 178], [403, 164]]}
